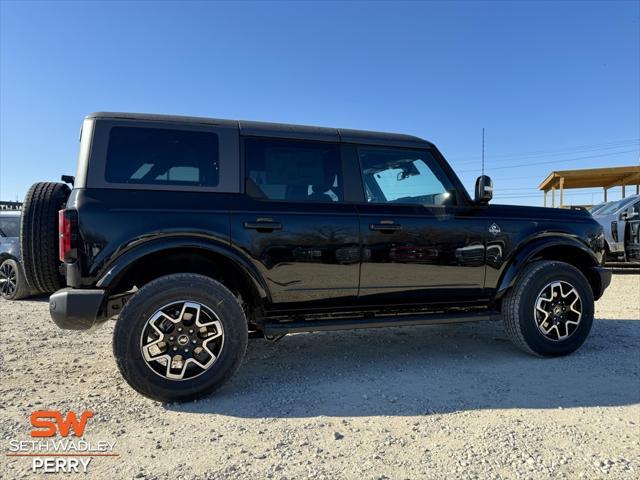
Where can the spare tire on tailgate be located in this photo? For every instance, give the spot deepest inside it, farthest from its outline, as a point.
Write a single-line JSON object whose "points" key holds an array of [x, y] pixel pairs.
{"points": [[39, 235]]}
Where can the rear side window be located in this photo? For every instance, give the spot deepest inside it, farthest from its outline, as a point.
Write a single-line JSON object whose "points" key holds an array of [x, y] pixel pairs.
{"points": [[293, 170], [156, 156], [9, 226]]}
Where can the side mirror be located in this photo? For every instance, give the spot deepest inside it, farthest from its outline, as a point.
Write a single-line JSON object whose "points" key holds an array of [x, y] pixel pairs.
{"points": [[629, 214], [484, 189]]}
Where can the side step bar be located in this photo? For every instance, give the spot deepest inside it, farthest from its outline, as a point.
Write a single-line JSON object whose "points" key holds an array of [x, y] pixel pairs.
{"points": [[282, 328]]}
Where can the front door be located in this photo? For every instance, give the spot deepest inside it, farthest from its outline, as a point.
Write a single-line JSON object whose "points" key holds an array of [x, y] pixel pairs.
{"points": [[294, 224], [419, 244]]}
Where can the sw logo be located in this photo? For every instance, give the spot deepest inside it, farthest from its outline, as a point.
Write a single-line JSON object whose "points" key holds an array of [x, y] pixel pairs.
{"points": [[51, 451], [47, 422]]}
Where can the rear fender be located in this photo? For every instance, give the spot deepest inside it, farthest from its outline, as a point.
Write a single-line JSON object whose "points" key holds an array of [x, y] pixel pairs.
{"points": [[119, 266]]}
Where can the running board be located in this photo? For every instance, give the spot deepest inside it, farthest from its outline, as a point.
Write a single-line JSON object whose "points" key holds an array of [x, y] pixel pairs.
{"points": [[276, 329]]}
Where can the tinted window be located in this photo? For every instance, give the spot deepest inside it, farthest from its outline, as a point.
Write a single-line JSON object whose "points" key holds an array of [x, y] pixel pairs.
{"points": [[10, 226], [596, 208], [614, 206], [403, 176], [292, 170], [155, 156]]}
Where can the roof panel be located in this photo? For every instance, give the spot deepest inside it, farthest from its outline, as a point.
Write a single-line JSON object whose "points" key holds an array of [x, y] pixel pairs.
{"points": [[282, 130]]}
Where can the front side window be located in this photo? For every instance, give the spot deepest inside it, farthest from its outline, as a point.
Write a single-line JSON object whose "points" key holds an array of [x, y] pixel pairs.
{"points": [[403, 176], [158, 156], [293, 170]]}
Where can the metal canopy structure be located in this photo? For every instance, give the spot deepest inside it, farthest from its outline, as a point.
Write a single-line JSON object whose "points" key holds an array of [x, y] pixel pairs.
{"points": [[606, 178]]}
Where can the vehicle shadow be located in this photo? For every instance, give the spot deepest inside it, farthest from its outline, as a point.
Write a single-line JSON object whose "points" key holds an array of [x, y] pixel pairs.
{"points": [[41, 297], [423, 370]]}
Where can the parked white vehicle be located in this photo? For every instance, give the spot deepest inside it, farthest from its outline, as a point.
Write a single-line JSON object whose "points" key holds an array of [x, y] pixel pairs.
{"points": [[594, 210], [614, 218]]}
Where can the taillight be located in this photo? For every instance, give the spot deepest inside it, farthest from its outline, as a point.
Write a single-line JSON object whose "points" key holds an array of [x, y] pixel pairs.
{"points": [[67, 221]]}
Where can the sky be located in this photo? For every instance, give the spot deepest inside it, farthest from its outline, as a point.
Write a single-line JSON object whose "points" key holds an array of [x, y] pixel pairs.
{"points": [[555, 85]]}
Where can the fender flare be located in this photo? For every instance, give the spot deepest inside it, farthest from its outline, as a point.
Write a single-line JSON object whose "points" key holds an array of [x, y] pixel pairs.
{"points": [[7, 256], [523, 256], [120, 265]]}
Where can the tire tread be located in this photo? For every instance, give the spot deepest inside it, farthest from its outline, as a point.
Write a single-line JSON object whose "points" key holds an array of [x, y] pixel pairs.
{"points": [[122, 330], [514, 298], [39, 235]]}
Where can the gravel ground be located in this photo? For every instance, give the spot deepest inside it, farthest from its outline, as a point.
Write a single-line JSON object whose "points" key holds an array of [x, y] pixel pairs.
{"points": [[454, 401]]}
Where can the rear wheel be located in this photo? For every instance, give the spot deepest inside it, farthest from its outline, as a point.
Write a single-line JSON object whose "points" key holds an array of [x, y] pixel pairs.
{"points": [[180, 337], [13, 285], [549, 311], [39, 235]]}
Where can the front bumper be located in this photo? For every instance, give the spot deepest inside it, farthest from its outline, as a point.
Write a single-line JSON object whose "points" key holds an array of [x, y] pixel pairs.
{"points": [[75, 309], [603, 280]]}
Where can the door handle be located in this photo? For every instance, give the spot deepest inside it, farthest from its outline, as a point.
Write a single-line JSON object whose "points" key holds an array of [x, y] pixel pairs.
{"points": [[263, 225], [385, 227]]}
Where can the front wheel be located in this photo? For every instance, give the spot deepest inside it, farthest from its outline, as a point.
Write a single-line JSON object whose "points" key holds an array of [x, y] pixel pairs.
{"points": [[180, 337], [549, 310]]}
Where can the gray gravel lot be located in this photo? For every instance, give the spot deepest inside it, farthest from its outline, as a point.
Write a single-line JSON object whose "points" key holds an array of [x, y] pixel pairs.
{"points": [[454, 401]]}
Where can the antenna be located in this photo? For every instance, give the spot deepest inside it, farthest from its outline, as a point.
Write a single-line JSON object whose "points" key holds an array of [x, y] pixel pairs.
{"points": [[482, 150]]}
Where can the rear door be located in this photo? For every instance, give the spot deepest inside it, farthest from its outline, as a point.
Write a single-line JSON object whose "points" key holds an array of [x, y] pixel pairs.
{"points": [[420, 244], [294, 224]]}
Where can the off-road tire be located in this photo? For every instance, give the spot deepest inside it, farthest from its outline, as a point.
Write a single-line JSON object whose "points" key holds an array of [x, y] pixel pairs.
{"points": [[39, 235], [519, 303], [22, 290], [162, 291]]}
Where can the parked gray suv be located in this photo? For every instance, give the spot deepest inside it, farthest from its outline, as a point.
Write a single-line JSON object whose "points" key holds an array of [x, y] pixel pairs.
{"points": [[13, 284]]}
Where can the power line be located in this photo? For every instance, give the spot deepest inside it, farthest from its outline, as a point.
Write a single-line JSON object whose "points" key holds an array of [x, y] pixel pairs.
{"points": [[590, 189], [557, 151], [557, 161], [507, 160], [534, 195]]}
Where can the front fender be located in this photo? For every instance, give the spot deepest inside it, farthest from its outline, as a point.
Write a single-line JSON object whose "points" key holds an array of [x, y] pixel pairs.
{"points": [[535, 248], [118, 266]]}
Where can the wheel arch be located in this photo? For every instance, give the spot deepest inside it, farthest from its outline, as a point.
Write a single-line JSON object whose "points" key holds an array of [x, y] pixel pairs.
{"points": [[155, 259], [563, 249], [7, 256]]}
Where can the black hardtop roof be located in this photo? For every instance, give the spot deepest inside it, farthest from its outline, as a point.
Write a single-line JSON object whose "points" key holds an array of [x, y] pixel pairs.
{"points": [[280, 129]]}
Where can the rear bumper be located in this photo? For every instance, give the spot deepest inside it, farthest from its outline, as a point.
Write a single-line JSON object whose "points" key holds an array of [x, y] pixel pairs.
{"points": [[603, 277], [75, 309]]}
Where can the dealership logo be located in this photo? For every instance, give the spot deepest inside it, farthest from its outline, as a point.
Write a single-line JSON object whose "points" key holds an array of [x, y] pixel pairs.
{"points": [[494, 229], [46, 423], [59, 446]]}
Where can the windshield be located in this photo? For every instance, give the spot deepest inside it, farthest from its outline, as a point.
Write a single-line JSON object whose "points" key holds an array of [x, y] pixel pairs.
{"points": [[615, 206], [10, 226], [597, 207]]}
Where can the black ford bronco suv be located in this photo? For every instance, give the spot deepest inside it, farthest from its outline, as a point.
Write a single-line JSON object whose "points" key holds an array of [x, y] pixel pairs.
{"points": [[199, 233]]}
